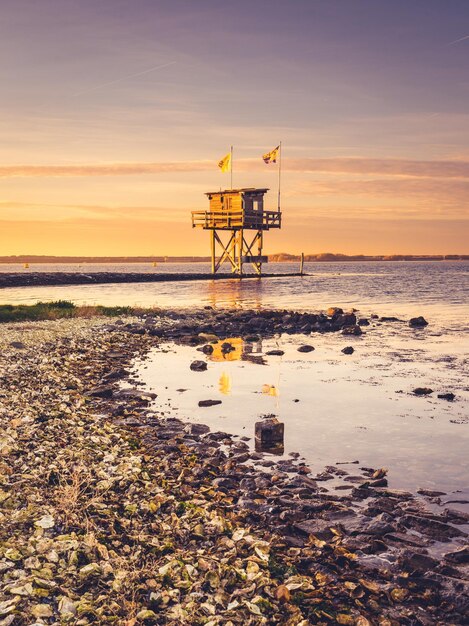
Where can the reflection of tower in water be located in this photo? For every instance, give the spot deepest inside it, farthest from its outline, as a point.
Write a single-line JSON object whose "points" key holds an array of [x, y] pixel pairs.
{"points": [[269, 432], [235, 293]]}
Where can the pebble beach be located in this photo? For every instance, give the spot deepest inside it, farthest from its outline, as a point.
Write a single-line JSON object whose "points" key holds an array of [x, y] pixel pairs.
{"points": [[110, 513]]}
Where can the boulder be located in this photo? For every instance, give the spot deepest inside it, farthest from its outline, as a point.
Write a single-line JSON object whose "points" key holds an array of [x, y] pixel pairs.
{"points": [[348, 350], [422, 391], [305, 348], [334, 310], [275, 353]]}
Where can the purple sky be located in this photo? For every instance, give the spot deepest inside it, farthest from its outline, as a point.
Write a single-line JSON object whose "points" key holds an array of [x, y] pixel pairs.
{"points": [[373, 80]]}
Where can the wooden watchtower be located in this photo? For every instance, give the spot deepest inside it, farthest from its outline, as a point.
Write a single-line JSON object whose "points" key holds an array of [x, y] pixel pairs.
{"points": [[239, 212]]}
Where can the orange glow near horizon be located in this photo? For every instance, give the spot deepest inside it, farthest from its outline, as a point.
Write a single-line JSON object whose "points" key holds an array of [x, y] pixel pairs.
{"points": [[350, 206], [115, 116]]}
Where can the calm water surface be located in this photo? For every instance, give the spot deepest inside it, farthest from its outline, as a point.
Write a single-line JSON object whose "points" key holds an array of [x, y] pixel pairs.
{"points": [[336, 408], [397, 288], [357, 407]]}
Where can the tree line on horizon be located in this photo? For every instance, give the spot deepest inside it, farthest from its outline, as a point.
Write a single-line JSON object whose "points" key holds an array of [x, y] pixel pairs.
{"points": [[282, 257]]}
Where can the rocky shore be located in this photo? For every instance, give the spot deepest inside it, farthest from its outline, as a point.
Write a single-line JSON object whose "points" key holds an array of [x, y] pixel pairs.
{"points": [[46, 279], [109, 514]]}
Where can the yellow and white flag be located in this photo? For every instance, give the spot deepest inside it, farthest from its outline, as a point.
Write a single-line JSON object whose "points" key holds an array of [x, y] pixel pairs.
{"points": [[225, 163], [272, 156]]}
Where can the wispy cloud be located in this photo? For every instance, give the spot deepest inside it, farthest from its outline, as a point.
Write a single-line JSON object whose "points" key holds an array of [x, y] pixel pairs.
{"points": [[346, 165], [44, 212], [124, 78], [451, 43], [388, 167], [113, 169], [428, 197]]}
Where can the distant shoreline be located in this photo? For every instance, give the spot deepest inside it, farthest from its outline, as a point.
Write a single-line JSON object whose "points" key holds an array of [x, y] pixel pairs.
{"points": [[273, 258]]}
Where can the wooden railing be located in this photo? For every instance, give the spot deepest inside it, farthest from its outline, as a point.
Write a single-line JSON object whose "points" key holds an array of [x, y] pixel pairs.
{"points": [[236, 219]]}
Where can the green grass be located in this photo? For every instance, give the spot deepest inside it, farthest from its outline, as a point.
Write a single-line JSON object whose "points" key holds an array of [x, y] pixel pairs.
{"points": [[58, 310]]}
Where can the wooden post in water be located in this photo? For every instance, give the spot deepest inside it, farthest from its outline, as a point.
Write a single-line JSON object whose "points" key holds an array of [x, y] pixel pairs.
{"points": [[302, 262]]}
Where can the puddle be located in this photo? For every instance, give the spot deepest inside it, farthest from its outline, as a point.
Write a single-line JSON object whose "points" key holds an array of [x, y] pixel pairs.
{"points": [[334, 407]]}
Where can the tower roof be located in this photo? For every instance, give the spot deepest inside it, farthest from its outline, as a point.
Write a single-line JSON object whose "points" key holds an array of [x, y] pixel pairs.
{"points": [[246, 190]]}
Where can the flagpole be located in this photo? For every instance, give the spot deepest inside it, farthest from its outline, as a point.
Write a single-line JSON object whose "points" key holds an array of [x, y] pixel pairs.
{"points": [[231, 167], [279, 173]]}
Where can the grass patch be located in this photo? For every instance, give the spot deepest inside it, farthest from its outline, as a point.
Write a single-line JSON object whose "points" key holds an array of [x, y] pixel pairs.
{"points": [[58, 310]]}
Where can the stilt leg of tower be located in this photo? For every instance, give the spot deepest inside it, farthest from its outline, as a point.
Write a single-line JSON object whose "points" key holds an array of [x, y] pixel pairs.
{"points": [[212, 247], [240, 251]]}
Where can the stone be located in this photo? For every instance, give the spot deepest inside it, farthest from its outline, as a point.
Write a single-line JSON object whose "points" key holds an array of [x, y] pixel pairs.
{"points": [[418, 322], [67, 607], [352, 330], [46, 521], [41, 610], [411, 560], [131, 393], [18, 345], [348, 350], [275, 353], [334, 310], [269, 433], [347, 319], [306, 348], [89, 571], [145, 615], [196, 429], [198, 366], [447, 396], [320, 528], [103, 391], [252, 338], [209, 402], [207, 349], [460, 556], [422, 391]]}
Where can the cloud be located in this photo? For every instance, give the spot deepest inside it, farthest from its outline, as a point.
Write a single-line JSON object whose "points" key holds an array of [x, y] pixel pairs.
{"points": [[451, 43], [388, 167], [26, 212], [123, 78], [346, 165], [449, 191], [112, 169]]}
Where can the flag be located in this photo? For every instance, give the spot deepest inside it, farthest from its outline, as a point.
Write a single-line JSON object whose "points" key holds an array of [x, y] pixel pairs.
{"points": [[271, 157], [225, 163]]}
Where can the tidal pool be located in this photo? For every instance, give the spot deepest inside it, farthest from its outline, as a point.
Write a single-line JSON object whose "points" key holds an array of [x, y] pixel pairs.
{"points": [[334, 407]]}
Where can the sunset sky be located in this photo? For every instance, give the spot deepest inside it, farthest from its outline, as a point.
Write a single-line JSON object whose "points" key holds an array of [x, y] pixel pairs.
{"points": [[114, 114]]}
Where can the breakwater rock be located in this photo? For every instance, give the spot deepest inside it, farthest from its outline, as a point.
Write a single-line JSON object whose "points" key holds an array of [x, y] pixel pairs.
{"points": [[194, 328], [44, 279]]}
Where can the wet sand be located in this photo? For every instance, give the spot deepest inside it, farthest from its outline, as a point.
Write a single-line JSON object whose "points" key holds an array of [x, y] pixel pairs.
{"points": [[170, 522]]}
